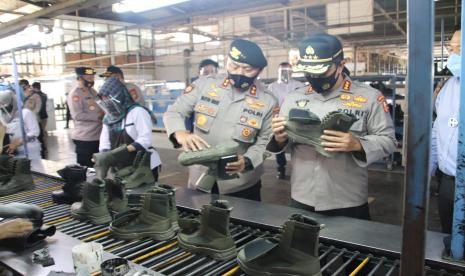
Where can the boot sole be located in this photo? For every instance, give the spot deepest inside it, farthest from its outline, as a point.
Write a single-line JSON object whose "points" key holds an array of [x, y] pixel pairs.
{"points": [[94, 220], [222, 255], [17, 189], [159, 236], [250, 271]]}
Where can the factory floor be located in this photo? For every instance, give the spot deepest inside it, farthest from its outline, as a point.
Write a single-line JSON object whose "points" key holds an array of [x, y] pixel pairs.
{"points": [[385, 187]]}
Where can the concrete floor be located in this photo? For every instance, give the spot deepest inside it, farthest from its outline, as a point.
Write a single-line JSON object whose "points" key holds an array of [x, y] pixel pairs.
{"points": [[385, 188]]}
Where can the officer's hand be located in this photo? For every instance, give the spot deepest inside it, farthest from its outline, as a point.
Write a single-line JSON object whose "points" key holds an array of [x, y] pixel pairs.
{"points": [[236, 167], [278, 126], [13, 146], [190, 141], [15, 228], [336, 141], [131, 148]]}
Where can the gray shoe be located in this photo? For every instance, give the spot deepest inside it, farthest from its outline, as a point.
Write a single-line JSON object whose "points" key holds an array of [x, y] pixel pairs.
{"points": [[210, 236], [141, 175], [295, 253], [153, 220], [93, 206], [21, 177]]}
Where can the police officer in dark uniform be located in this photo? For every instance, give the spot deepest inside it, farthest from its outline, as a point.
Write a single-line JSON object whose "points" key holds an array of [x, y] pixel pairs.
{"points": [[335, 181], [87, 116], [234, 107]]}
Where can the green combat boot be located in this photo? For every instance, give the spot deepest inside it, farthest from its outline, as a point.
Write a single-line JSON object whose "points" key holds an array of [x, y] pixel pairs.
{"points": [[152, 220], [21, 177], [294, 253], [210, 158], [141, 175], [211, 236], [4, 160], [93, 206], [337, 120], [117, 200], [173, 211], [112, 158], [126, 171]]}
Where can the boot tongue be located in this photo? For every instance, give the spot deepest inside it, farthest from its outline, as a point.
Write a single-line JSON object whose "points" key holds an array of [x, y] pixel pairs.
{"points": [[222, 204], [299, 218]]}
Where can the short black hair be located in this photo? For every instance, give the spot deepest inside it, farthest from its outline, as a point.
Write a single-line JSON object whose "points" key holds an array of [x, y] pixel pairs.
{"points": [[36, 85], [23, 82], [285, 63], [208, 61]]}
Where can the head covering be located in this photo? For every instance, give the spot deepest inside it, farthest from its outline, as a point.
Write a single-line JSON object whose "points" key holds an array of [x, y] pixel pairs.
{"points": [[112, 70], [114, 99], [208, 61], [82, 71], [317, 53], [248, 52], [8, 106]]}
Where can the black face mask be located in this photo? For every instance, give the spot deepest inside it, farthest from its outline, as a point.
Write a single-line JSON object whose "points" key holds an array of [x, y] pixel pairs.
{"points": [[321, 85], [241, 82], [88, 84]]}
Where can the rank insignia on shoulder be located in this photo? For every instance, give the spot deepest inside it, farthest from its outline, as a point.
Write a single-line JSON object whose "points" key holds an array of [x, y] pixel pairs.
{"points": [[346, 85], [189, 89], [386, 107], [226, 83], [246, 132], [76, 98], [346, 97], [380, 98], [360, 99], [253, 90]]}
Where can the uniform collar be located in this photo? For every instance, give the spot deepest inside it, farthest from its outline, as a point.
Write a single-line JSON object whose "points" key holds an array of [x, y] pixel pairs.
{"points": [[238, 95]]}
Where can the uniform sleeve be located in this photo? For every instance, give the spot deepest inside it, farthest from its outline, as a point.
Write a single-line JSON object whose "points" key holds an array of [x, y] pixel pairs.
{"points": [[256, 152], [77, 110], [31, 126], [380, 140], [104, 141], [143, 125], [182, 108]]}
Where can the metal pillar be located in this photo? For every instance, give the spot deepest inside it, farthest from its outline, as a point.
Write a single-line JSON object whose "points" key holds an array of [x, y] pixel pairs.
{"points": [[458, 221], [420, 37], [442, 43], [19, 99]]}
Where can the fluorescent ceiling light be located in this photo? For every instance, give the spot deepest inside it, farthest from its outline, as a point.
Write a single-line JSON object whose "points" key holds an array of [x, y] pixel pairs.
{"points": [[143, 5]]}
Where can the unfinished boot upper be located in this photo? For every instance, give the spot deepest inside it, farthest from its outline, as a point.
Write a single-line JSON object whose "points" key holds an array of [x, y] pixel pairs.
{"points": [[111, 158], [117, 200], [338, 121], [93, 206], [210, 236], [295, 252], [21, 178], [153, 220], [141, 175], [126, 171], [208, 155]]}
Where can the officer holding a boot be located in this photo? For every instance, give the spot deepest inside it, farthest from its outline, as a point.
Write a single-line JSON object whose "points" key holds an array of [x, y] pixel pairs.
{"points": [[329, 163], [87, 116], [233, 107]]}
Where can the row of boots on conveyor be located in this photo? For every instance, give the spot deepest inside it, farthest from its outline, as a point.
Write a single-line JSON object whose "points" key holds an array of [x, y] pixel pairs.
{"points": [[15, 175]]}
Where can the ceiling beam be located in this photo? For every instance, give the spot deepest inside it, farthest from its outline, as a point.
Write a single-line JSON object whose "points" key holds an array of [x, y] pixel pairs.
{"points": [[17, 25], [388, 17]]}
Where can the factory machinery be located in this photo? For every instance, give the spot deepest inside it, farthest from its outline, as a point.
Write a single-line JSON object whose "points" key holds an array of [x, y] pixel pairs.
{"points": [[348, 246]]}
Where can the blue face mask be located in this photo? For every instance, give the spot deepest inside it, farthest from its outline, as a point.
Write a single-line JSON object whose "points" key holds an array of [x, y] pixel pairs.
{"points": [[454, 64]]}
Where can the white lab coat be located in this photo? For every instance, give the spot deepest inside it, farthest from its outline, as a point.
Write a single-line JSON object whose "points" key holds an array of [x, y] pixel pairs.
{"points": [[138, 125], [31, 127]]}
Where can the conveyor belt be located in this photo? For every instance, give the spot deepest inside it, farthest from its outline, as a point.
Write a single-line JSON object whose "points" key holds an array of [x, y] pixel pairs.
{"points": [[168, 258]]}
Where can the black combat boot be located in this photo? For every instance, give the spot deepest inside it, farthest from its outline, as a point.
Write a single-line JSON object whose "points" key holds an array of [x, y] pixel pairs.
{"points": [[74, 176], [294, 253]]}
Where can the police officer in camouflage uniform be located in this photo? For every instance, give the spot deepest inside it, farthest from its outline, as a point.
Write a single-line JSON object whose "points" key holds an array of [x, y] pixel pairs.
{"points": [[228, 107], [334, 185], [87, 116]]}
